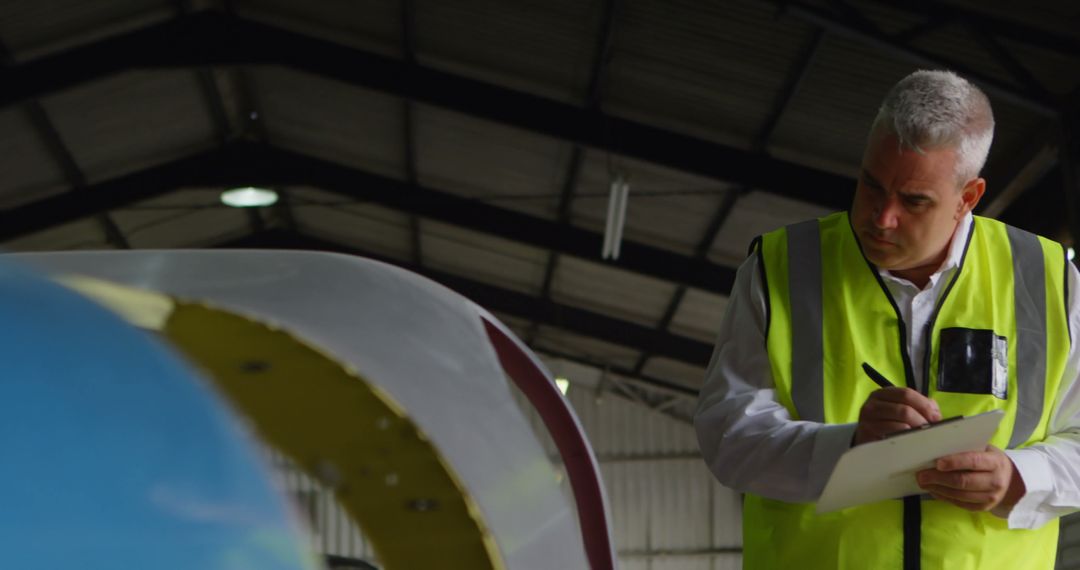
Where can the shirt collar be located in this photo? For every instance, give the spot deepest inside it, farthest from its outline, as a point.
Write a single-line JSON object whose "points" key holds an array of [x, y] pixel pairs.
{"points": [[952, 261]]}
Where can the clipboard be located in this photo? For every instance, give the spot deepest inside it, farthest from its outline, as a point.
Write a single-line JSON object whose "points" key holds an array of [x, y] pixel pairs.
{"points": [[886, 469]]}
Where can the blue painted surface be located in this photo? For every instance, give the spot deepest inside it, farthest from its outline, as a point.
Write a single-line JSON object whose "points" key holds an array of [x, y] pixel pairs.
{"points": [[115, 455]]}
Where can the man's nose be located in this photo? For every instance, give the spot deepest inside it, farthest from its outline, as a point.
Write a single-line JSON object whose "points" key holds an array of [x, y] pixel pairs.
{"points": [[887, 214]]}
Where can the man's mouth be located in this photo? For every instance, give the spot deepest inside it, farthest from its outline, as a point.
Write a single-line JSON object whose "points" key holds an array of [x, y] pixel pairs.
{"points": [[877, 240]]}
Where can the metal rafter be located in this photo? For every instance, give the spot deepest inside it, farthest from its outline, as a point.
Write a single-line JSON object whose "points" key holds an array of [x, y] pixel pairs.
{"points": [[520, 305], [251, 163], [597, 72], [59, 151], [218, 39]]}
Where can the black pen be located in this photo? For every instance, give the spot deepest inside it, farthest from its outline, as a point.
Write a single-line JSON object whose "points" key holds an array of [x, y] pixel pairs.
{"points": [[876, 376]]}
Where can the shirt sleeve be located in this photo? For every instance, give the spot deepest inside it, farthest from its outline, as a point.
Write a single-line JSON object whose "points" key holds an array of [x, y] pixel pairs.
{"points": [[1051, 468], [748, 439]]}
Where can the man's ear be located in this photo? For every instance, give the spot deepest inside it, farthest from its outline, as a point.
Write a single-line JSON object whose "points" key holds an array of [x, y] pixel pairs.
{"points": [[970, 195]]}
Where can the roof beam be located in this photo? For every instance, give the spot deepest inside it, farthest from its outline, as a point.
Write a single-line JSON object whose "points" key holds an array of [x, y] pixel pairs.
{"points": [[573, 319], [255, 164], [218, 39]]}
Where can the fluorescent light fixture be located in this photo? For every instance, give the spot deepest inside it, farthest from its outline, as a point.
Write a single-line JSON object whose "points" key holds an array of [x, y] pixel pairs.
{"points": [[1070, 253], [249, 197], [616, 218], [563, 384]]}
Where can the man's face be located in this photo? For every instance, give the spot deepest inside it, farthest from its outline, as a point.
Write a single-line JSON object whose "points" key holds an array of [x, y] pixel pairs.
{"points": [[907, 204]]}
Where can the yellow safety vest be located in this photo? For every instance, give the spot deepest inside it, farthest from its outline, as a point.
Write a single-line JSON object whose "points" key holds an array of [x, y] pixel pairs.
{"points": [[1006, 303]]}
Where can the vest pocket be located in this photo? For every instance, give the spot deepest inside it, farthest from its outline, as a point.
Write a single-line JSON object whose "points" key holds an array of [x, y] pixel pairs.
{"points": [[973, 361]]}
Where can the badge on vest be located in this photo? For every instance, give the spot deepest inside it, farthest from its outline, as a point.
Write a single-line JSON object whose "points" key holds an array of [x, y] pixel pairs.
{"points": [[973, 361]]}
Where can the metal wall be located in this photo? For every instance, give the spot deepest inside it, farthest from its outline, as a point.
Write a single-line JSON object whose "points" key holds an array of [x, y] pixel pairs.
{"points": [[667, 511]]}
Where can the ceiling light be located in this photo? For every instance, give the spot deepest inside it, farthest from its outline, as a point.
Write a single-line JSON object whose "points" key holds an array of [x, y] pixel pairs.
{"points": [[563, 384], [249, 197], [616, 217]]}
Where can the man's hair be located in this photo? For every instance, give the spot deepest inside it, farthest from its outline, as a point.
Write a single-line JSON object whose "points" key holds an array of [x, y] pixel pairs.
{"points": [[939, 109]]}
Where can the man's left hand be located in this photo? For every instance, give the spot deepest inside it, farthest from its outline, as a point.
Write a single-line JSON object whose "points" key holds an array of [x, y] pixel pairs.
{"points": [[976, 480]]}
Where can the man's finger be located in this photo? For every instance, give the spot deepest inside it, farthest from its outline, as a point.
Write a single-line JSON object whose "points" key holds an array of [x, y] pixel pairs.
{"points": [[969, 461], [968, 501], [876, 411], [926, 407], [975, 481]]}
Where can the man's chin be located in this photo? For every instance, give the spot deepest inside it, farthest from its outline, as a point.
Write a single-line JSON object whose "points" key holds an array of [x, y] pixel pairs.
{"points": [[883, 260]]}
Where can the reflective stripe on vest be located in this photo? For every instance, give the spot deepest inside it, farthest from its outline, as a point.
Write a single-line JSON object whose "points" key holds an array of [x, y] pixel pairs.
{"points": [[807, 345], [1030, 298]]}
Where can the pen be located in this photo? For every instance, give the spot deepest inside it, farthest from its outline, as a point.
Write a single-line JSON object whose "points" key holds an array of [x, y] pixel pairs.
{"points": [[876, 376]]}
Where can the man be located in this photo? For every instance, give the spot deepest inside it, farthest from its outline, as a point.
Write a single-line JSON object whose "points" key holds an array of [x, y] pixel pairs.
{"points": [[963, 314]]}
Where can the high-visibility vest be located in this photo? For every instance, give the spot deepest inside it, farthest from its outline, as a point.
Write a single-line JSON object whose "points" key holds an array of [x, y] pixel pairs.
{"points": [[829, 311]]}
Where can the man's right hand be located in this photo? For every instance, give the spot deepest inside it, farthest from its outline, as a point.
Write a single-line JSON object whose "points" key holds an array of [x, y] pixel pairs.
{"points": [[890, 410]]}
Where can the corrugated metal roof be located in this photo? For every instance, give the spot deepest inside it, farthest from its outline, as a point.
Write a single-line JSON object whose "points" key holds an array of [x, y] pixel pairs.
{"points": [[699, 315], [837, 101], [666, 208], [83, 234], [544, 48], [171, 220], [372, 25], [506, 167], [131, 121], [332, 120], [1058, 16], [680, 372], [1054, 70], [695, 66], [482, 257], [32, 29], [888, 19], [610, 290], [561, 341], [368, 227], [30, 172], [754, 214]]}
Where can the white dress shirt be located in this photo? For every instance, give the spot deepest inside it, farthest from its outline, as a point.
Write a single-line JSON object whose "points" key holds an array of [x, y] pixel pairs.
{"points": [[752, 445]]}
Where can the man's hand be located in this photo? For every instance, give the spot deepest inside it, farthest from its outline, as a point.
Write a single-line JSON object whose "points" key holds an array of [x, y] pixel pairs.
{"points": [[890, 410], [976, 480]]}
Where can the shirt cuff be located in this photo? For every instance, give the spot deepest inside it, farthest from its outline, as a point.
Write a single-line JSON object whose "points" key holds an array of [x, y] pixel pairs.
{"points": [[1034, 470], [830, 442]]}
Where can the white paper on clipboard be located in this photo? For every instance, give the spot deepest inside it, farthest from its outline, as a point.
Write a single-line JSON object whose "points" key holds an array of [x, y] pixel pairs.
{"points": [[886, 469]]}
